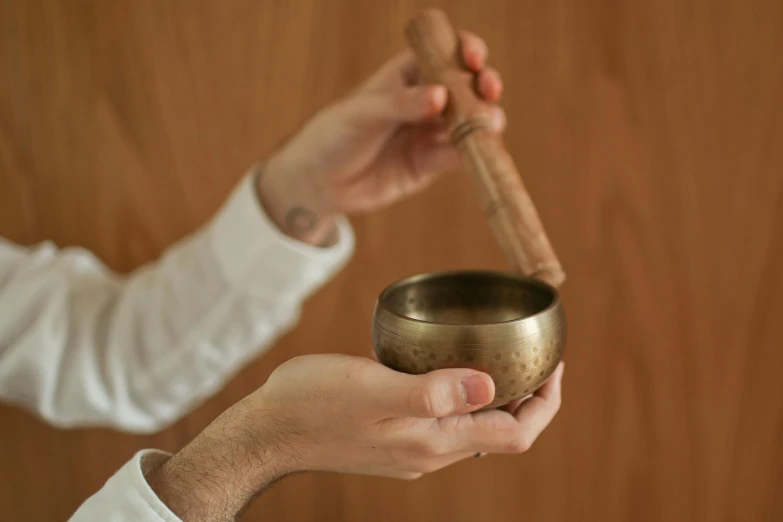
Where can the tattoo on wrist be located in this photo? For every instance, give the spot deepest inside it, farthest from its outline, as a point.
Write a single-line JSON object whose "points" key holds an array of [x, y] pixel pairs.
{"points": [[300, 220]]}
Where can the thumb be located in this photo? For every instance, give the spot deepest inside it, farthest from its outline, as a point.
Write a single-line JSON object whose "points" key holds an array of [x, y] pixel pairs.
{"points": [[437, 394], [410, 104]]}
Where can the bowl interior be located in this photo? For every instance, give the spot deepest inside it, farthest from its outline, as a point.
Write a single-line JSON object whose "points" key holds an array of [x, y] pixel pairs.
{"points": [[468, 298]]}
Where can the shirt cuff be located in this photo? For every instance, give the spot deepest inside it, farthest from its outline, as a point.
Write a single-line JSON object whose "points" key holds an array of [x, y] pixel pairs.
{"points": [[257, 257], [127, 496]]}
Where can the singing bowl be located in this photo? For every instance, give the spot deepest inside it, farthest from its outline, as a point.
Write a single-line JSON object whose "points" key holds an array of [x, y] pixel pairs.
{"points": [[508, 325]]}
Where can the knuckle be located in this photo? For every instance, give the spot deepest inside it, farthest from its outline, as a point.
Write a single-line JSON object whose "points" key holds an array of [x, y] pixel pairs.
{"points": [[430, 448], [426, 448], [430, 400], [520, 444]]}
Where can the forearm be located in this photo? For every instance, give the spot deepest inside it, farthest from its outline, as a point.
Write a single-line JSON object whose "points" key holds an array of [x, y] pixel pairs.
{"points": [[223, 469], [212, 479], [80, 345]]}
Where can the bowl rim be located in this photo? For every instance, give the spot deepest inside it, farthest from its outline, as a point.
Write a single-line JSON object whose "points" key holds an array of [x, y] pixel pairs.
{"points": [[416, 278]]}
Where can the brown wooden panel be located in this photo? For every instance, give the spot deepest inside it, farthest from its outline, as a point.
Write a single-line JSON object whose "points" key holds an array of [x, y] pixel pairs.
{"points": [[650, 135]]}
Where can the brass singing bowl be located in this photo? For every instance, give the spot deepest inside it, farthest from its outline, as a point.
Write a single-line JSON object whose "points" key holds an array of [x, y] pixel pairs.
{"points": [[510, 326]]}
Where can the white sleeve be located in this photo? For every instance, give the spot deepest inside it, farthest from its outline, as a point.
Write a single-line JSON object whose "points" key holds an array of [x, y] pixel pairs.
{"points": [[126, 496], [81, 345]]}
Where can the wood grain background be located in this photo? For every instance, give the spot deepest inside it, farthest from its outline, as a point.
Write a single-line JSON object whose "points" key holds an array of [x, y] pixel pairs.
{"points": [[650, 134]]}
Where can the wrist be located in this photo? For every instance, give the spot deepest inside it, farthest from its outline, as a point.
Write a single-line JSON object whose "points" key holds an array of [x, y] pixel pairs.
{"points": [[223, 469], [296, 204]]}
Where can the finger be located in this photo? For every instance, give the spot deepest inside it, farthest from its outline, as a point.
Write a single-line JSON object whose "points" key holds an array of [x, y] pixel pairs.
{"points": [[497, 431], [437, 394], [551, 386], [405, 105], [512, 407], [433, 154], [491, 431], [474, 50], [497, 119], [438, 132], [429, 158], [490, 84], [537, 412], [494, 114], [400, 69]]}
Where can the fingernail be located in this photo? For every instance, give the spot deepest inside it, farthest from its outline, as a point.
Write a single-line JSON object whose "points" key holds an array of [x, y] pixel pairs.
{"points": [[475, 390]]}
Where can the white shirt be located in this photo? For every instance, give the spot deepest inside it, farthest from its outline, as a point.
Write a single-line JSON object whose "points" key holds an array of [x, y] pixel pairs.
{"points": [[83, 346]]}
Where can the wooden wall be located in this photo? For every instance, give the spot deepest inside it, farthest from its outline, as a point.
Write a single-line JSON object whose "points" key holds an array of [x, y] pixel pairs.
{"points": [[650, 134]]}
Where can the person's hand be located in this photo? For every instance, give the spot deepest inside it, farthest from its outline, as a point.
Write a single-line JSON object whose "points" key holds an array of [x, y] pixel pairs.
{"points": [[345, 414], [354, 415], [384, 141]]}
